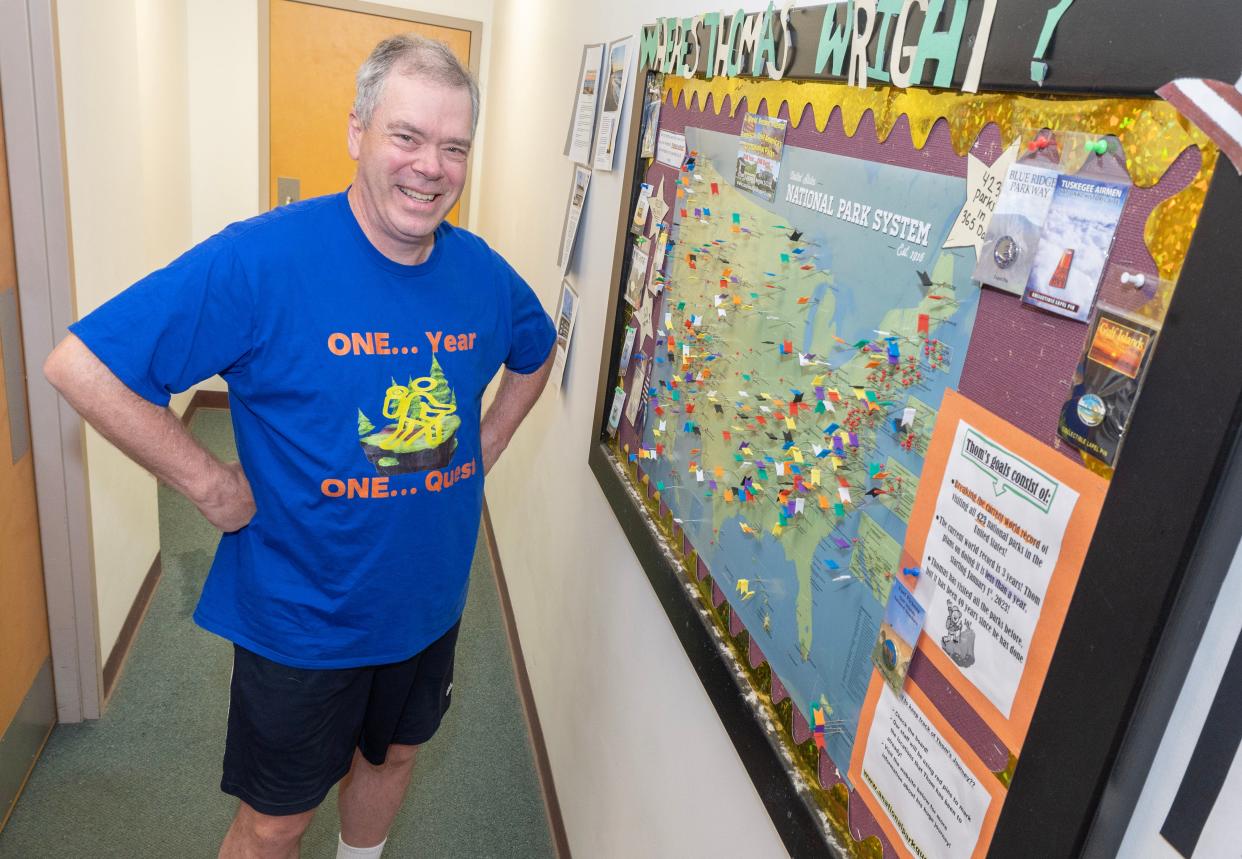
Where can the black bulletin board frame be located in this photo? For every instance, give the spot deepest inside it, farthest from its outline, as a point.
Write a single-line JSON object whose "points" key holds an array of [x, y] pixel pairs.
{"points": [[1176, 452]]}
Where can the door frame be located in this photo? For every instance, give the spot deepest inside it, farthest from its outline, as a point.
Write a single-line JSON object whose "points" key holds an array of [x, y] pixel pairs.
{"points": [[415, 17], [34, 134]]}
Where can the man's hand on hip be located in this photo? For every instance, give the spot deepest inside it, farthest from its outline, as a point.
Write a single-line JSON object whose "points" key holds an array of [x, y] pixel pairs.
{"points": [[514, 398], [228, 502], [150, 435]]}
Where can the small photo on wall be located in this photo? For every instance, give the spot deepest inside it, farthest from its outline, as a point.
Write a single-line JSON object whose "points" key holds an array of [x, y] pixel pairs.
{"points": [[638, 276], [566, 316]]}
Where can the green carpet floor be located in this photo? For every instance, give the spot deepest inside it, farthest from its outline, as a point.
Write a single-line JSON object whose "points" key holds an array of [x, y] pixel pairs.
{"points": [[144, 780]]}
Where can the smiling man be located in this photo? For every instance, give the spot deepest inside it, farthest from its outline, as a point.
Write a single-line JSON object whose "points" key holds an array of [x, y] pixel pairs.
{"points": [[357, 333]]}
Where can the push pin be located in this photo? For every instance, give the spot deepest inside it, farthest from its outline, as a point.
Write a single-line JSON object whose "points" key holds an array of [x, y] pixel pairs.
{"points": [[1138, 281], [912, 572], [1099, 147], [1038, 143]]}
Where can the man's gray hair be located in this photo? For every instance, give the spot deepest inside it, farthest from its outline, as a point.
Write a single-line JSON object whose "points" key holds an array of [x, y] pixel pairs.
{"points": [[417, 57]]}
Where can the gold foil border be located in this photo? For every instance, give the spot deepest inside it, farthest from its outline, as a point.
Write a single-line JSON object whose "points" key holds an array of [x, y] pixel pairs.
{"points": [[1151, 132]]}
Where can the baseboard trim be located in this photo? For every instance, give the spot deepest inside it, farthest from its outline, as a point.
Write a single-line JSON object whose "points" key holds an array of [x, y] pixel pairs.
{"points": [[24, 739], [205, 400], [129, 631], [556, 823]]}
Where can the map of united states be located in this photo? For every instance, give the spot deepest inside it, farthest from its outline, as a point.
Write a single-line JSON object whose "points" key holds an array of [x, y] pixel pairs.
{"points": [[791, 400]]}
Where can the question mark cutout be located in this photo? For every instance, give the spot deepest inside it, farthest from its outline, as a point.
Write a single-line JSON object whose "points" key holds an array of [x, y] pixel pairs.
{"points": [[1039, 68]]}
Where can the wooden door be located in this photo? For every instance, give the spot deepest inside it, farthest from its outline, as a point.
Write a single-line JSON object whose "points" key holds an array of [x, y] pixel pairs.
{"points": [[27, 705], [315, 52]]}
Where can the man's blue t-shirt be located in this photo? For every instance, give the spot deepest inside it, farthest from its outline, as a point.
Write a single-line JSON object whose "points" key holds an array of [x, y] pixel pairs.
{"points": [[355, 386]]}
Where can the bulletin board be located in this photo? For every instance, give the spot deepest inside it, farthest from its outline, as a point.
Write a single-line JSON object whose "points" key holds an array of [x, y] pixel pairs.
{"points": [[809, 401]]}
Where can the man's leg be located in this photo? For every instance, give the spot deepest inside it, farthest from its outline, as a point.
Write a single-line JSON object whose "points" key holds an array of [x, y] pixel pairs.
{"points": [[291, 736], [370, 796], [408, 700], [264, 836]]}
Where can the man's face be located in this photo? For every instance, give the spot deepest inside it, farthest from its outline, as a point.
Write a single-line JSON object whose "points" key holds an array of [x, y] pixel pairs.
{"points": [[411, 163]]}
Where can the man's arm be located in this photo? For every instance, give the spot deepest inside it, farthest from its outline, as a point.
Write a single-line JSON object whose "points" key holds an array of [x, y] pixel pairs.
{"points": [[514, 399], [151, 436]]}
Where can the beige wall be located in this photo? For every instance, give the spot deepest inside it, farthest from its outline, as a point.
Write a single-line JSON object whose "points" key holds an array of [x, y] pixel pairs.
{"points": [[126, 136], [641, 763], [223, 60]]}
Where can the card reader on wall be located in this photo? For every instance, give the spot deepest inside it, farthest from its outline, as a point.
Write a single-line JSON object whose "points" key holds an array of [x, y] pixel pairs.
{"points": [[288, 190]]}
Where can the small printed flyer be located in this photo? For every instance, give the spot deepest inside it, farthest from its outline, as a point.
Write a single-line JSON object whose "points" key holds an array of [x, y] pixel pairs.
{"points": [[652, 101], [564, 330], [671, 148], [641, 209], [759, 155], [638, 276], [573, 214], [904, 617], [655, 282], [1074, 245], [1107, 384], [638, 394], [627, 348], [658, 208], [930, 793], [1013, 233], [1000, 525], [582, 123], [617, 69], [614, 414]]}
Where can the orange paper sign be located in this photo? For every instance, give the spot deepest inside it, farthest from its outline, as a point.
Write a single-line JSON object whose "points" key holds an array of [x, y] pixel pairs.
{"points": [[1000, 525]]}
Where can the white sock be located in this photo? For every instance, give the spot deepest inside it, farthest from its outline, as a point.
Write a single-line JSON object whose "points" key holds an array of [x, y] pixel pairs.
{"points": [[344, 851]]}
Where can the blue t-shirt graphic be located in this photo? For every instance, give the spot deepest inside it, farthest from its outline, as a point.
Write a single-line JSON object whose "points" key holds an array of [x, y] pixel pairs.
{"points": [[354, 386]]}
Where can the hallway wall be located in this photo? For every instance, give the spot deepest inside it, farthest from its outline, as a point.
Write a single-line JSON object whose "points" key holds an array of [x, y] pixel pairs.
{"points": [[641, 762], [123, 81]]}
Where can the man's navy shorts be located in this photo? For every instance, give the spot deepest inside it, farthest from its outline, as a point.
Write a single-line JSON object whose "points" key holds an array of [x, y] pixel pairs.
{"points": [[293, 731]]}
